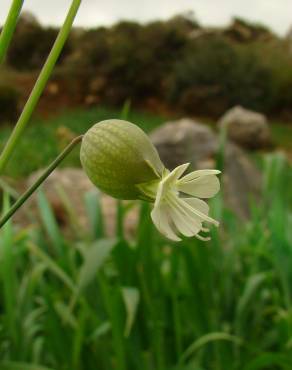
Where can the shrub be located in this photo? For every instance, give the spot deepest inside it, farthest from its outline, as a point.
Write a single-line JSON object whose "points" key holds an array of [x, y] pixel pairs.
{"points": [[214, 75], [9, 97], [125, 58], [31, 44]]}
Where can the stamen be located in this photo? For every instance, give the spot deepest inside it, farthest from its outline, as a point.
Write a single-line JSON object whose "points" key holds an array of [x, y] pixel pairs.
{"points": [[204, 239], [194, 211], [200, 214]]}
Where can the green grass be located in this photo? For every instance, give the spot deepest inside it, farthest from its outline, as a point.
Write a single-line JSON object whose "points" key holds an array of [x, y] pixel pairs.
{"points": [[91, 302], [88, 301], [282, 135], [40, 143]]}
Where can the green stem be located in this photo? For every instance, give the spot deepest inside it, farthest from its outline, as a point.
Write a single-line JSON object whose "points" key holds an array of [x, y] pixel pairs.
{"points": [[39, 85], [40, 180], [9, 27]]}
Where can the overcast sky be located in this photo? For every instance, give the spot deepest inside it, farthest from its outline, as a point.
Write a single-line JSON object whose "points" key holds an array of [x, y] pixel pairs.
{"points": [[277, 14]]}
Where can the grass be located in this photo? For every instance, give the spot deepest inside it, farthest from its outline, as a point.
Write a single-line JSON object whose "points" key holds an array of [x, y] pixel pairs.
{"points": [[282, 134], [95, 302]]}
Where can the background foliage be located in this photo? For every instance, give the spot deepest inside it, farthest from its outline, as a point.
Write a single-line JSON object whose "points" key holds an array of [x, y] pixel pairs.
{"points": [[174, 65]]}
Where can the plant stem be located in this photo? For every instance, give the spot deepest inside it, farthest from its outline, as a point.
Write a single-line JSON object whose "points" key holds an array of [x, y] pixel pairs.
{"points": [[39, 85], [40, 180], [9, 27]]}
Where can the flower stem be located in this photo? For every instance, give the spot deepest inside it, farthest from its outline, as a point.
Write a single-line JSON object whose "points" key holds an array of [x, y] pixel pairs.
{"points": [[39, 85], [9, 27], [40, 180]]}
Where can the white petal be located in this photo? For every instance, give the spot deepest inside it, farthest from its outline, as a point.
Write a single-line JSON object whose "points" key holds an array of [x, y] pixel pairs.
{"points": [[198, 204], [159, 194], [195, 174], [160, 218], [167, 183], [203, 187], [186, 223], [191, 225], [198, 212], [176, 173], [172, 214], [182, 227]]}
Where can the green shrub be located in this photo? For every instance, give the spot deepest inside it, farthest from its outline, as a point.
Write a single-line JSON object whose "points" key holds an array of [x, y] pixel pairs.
{"points": [[31, 44], [174, 62], [276, 57], [9, 98], [214, 75], [125, 58]]}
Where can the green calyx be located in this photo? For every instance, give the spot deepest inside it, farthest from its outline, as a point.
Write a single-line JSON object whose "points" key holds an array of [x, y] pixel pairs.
{"points": [[118, 157]]}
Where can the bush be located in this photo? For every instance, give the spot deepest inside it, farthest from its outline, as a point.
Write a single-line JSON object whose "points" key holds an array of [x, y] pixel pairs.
{"points": [[200, 77], [125, 59], [277, 58], [9, 104], [252, 82], [214, 75], [31, 44], [199, 71]]}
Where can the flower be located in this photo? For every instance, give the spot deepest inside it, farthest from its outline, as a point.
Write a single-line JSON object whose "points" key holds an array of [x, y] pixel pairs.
{"points": [[119, 158], [174, 211]]}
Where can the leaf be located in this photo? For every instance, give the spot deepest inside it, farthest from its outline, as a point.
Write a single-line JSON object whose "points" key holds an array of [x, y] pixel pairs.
{"points": [[205, 339], [8, 272], [51, 265], [49, 221], [252, 285], [94, 259], [94, 212], [65, 314], [101, 330], [126, 109], [131, 297]]}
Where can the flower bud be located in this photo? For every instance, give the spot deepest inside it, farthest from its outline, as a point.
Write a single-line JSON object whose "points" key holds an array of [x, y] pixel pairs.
{"points": [[118, 156]]}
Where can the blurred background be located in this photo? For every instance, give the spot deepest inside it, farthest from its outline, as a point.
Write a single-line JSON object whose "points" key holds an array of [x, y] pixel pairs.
{"points": [[86, 282]]}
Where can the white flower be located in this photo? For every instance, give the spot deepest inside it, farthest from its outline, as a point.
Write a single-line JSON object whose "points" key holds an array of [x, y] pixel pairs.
{"points": [[174, 212], [120, 160]]}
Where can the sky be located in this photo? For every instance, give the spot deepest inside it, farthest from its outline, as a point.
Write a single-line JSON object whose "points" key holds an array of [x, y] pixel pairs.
{"points": [[277, 14]]}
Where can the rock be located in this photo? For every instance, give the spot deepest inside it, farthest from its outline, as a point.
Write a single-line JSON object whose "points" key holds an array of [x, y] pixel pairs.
{"points": [[246, 128], [188, 141], [185, 140], [74, 184]]}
